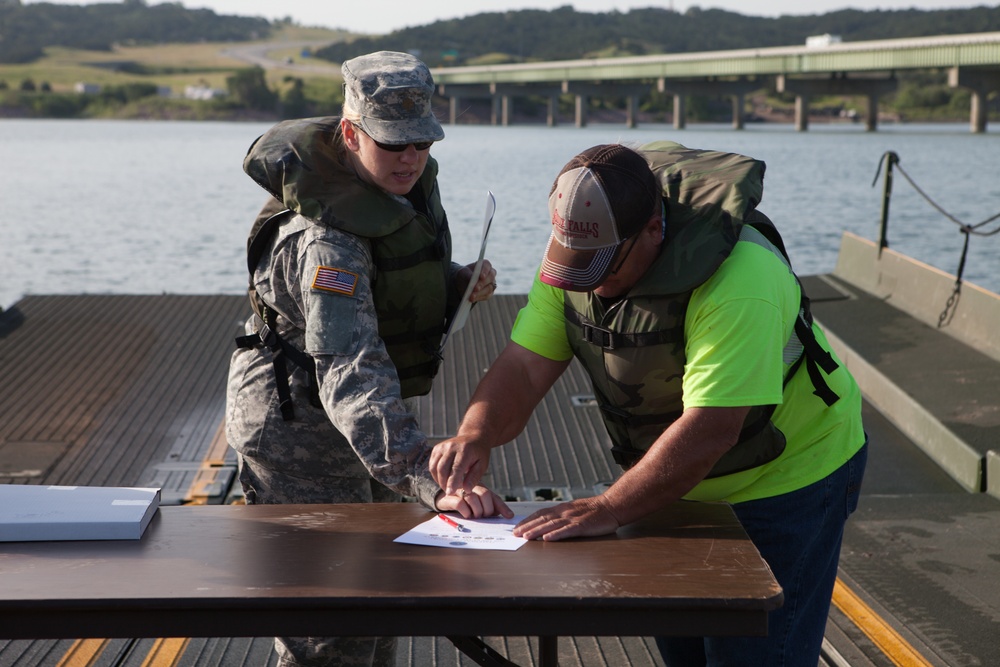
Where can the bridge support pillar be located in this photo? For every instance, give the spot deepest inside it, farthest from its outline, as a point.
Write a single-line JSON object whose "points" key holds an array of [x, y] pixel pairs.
{"points": [[801, 112], [739, 100], [581, 110], [981, 83], [680, 112], [803, 89], [501, 98], [495, 110], [631, 111], [584, 91], [506, 109], [737, 90], [552, 111], [871, 118], [458, 92]]}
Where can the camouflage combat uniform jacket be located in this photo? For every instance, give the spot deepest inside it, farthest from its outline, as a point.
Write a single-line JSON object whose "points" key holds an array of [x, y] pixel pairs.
{"points": [[320, 278]]}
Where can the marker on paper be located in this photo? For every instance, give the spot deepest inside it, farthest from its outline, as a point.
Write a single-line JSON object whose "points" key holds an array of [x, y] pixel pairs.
{"points": [[454, 524]]}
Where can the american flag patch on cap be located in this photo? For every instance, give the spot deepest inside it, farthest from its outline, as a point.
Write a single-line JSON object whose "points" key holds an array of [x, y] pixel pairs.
{"points": [[335, 280]]}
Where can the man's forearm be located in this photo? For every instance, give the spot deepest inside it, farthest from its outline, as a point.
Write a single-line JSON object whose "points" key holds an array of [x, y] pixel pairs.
{"points": [[681, 458], [507, 395]]}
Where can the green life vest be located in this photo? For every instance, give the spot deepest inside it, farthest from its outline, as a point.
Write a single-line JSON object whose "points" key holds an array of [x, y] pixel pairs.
{"points": [[411, 246], [634, 349]]}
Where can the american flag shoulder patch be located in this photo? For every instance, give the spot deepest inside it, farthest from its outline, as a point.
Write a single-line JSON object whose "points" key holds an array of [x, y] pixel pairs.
{"points": [[335, 280]]}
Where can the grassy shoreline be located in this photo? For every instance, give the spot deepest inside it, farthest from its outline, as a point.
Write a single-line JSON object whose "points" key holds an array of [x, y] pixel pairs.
{"points": [[47, 88]]}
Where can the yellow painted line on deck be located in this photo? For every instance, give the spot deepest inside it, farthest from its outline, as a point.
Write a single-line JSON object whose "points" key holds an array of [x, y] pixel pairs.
{"points": [[875, 627], [83, 652], [165, 652]]}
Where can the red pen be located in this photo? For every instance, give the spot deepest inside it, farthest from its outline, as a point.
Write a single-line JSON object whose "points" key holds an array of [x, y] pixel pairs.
{"points": [[454, 524]]}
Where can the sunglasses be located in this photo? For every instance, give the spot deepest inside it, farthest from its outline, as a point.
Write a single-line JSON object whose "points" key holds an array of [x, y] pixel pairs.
{"points": [[397, 148]]}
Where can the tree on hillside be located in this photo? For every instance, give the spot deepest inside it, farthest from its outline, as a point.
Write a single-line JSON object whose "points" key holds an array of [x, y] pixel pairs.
{"points": [[248, 87], [564, 34], [294, 103], [25, 30]]}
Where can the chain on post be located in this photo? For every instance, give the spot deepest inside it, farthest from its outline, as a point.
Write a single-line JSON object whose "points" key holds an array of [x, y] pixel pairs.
{"points": [[892, 160]]}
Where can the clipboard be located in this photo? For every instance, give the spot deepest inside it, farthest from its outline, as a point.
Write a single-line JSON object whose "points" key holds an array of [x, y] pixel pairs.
{"points": [[465, 306]]}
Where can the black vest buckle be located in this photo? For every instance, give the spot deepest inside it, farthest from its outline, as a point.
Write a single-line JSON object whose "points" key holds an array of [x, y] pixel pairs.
{"points": [[626, 457], [603, 338]]}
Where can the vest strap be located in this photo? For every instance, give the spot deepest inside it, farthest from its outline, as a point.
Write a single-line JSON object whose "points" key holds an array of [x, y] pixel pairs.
{"points": [[626, 457], [613, 340], [281, 352], [816, 358], [627, 419]]}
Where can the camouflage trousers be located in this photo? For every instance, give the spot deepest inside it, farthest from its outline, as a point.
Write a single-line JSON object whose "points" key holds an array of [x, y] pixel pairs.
{"points": [[266, 486]]}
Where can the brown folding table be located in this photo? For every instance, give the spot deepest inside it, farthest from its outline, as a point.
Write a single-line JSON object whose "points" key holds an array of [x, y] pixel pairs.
{"points": [[244, 571]]}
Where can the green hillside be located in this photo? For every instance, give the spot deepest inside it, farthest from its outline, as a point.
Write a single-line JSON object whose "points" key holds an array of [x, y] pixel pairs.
{"points": [[133, 59], [561, 34]]}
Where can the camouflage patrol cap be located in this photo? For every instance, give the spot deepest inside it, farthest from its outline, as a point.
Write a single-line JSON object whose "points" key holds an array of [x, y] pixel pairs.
{"points": [[392, 93], [602, 197]]}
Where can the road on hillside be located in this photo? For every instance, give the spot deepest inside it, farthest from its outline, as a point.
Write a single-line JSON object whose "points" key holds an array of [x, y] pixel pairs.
{"points": [[259, 54]]}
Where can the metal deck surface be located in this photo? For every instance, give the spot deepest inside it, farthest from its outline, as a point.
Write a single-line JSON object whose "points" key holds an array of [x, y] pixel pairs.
{"points": [[922, 552], [130, 390]]}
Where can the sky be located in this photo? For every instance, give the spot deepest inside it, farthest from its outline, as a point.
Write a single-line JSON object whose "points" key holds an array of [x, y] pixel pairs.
{"points": [[383, 16]]}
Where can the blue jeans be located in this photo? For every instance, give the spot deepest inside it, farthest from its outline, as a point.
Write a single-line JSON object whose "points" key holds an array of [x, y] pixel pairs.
{"points": [[799, 535]]}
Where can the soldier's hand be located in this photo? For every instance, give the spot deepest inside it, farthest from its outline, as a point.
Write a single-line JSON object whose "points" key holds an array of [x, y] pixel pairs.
{"points": [[459, 463], [479, 503], [485, 286]]}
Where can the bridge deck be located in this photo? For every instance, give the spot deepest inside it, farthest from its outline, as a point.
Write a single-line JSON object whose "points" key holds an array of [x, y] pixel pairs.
{"points": [[884, 55]]}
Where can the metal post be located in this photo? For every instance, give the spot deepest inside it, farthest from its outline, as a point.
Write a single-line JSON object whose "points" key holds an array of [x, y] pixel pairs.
{"points": [[891, 159]]}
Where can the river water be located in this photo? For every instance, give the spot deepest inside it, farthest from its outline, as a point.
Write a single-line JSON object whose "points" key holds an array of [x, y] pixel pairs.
{"points": [[132, 207]]}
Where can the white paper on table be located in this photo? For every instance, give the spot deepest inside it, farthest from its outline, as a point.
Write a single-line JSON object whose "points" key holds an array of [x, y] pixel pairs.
{"points": [[464, 306], [494, 533]]}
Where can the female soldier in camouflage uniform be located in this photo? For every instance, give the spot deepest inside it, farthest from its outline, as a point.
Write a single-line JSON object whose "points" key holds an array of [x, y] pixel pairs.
{"points": [[352, 284]]}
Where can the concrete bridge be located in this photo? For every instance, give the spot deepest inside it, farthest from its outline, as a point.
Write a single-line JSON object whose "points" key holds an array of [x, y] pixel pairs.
{"points": [[840, 68]]}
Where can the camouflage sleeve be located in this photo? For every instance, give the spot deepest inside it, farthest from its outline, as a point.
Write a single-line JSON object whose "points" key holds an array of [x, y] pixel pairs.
{"points": [[358, 385]]}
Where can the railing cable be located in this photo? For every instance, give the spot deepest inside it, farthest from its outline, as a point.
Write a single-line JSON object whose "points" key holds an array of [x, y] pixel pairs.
{"points": [[891, 160]]}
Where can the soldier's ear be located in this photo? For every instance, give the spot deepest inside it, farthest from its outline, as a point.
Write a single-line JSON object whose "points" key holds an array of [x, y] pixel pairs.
{"points": [[350, 134]]}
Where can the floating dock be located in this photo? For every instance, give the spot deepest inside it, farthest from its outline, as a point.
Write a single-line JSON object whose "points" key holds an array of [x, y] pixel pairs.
{"points": [[130, 391]]}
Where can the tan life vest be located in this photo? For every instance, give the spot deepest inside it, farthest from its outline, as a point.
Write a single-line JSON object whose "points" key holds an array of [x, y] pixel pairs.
{"points": [[634, 349], [411, 247]]}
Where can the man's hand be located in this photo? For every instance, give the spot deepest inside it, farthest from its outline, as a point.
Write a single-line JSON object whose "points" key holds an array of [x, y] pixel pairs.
{"points": [[586, 517], [459, 463], [479, 503]]}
